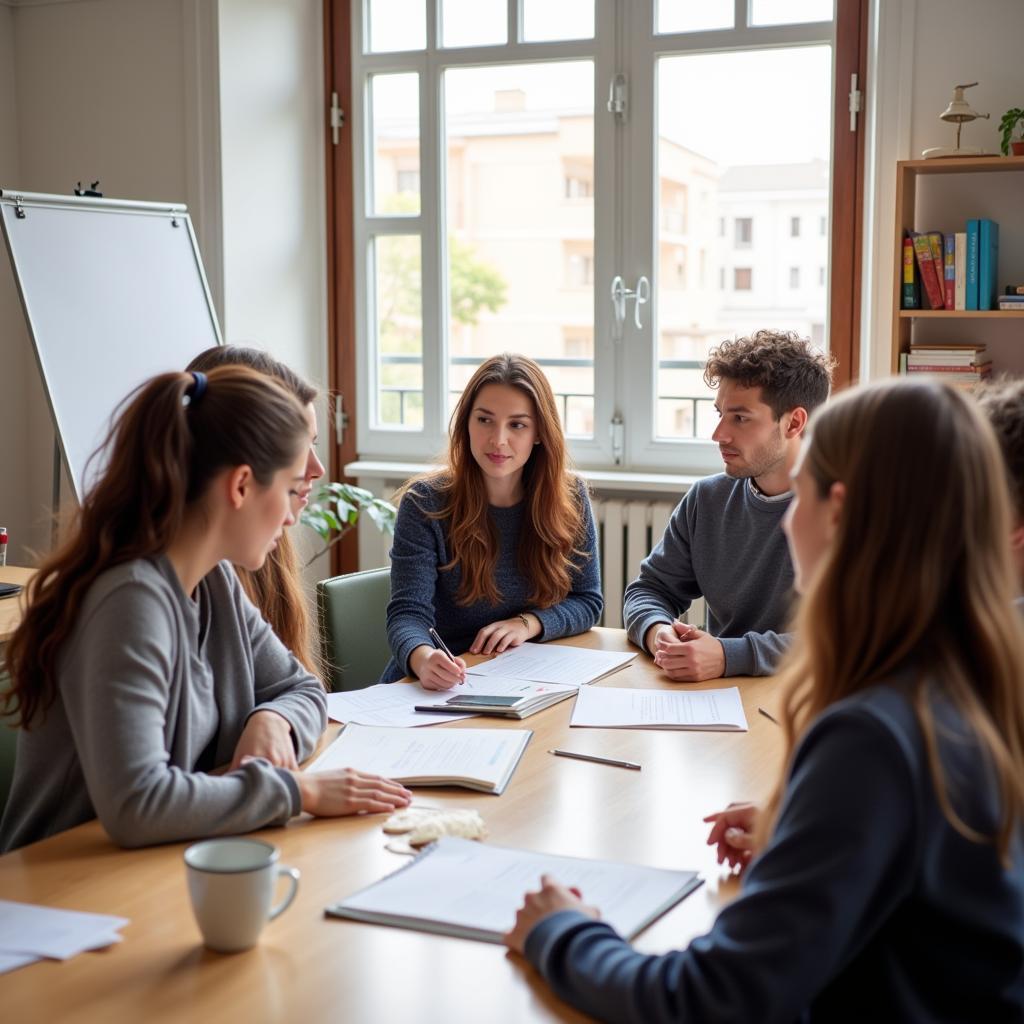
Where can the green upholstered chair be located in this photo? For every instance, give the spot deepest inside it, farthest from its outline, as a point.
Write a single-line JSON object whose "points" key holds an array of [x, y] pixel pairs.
{"points": [[352, 611]]}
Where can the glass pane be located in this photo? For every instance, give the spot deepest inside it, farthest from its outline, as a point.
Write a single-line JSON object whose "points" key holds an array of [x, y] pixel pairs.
{"points": [[395, 124], [399, 318], [396, 25], [789, 12], [735, 245], [520, 222], [566, 19], [691, 16], [474, 22]]}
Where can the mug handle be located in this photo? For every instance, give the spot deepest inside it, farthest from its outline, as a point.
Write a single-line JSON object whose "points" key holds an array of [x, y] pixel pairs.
{"points": [[292, 874]]}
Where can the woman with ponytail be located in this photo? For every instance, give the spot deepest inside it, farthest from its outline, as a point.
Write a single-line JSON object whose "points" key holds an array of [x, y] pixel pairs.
{"points": [[140, 664], [499, 547], [276, 588], [886, 875]]}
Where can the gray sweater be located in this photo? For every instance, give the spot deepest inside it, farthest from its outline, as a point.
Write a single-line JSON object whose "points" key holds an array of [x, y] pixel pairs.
{"points": [[724, 543], [154, 689], [422, 596]]}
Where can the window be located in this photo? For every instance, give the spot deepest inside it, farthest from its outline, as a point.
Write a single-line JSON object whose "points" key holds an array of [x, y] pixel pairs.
{"points": [[821, 277], [794, 277], [500, 221]]}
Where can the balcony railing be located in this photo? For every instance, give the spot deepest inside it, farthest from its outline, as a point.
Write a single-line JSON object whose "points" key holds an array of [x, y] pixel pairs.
{"points": [[563, 398]]}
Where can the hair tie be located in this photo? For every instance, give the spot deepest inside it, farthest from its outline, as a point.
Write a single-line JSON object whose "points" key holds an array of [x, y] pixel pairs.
{"points": [[197, 388]]}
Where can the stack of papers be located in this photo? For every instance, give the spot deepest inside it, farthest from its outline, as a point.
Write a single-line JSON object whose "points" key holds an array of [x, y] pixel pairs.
{"points": [[459, 887], [481, 759], [607, 707], [29, 933], [495, 695], [551, 663]]}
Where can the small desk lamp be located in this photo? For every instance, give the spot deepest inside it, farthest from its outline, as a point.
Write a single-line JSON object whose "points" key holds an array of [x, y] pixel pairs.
{"points": [[958, 112]]}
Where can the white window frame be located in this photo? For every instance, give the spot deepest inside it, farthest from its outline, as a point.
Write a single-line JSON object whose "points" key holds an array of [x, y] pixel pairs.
{"points": [[625, 359]]}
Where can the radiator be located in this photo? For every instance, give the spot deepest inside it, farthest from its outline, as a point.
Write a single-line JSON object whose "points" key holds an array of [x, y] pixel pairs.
{"points": [[627, 531]]}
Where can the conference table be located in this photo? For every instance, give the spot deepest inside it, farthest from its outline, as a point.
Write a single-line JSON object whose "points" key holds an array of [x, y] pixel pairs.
{"points": [[309, 967]]}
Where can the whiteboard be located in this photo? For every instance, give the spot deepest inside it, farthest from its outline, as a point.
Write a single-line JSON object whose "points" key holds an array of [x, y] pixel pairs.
{"points": [[113, 292]]}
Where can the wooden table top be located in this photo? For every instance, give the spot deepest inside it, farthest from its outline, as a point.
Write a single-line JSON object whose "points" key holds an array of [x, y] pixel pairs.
{"points": [[309, 967], [11, 607]]}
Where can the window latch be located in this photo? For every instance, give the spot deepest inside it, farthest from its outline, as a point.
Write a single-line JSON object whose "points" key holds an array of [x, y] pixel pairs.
{"points": [[617, 97]]}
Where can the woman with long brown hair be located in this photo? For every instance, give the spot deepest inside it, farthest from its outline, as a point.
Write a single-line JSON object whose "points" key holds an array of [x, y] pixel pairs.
{"points": [[140, 664], [276, 588], [887, 881], [499, 546]]}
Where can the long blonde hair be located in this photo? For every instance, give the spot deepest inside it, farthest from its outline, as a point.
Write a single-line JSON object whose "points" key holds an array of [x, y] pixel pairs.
{"points": [[919, 576]]}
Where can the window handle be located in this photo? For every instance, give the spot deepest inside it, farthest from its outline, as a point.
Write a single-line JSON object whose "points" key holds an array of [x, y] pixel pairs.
{"points": [[641, 295]]}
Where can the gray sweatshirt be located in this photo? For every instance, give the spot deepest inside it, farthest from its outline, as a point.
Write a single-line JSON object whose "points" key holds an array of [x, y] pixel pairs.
{"points": [[154, 689], [724, 543]]}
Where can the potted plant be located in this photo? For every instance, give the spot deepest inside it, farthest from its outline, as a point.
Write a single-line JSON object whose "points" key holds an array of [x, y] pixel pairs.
{"points": [[1010, 124], [335, 509]]}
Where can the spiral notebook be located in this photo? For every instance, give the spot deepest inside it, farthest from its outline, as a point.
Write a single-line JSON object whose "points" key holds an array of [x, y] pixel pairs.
{"points": [[472, 890]]}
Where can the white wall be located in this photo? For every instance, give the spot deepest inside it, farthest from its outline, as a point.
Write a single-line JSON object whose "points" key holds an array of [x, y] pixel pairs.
{"points": [[15, 364], [131, 93], [272, 160], [926, 47]]}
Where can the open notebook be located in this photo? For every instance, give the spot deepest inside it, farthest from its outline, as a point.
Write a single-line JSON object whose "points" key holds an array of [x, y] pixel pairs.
{"points": [[481, 759], [473, 890]]}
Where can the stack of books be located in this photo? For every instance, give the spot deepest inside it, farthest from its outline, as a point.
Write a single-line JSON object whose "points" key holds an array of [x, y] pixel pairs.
{"points": [[1013, 297], [958, 270], [963, 366]]}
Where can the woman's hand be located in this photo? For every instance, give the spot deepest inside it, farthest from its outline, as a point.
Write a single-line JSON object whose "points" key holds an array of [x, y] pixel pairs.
{"points": [[347, 791], [506, 633], [435, 670], [268, 735], [538, 905], [732, 832]]}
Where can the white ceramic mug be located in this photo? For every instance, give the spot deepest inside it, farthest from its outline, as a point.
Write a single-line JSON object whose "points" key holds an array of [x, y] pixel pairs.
{"points": [[232, 882]]}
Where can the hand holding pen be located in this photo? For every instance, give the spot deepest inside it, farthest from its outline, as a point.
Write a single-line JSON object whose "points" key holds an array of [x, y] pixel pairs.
{"points": [[438, 668]]}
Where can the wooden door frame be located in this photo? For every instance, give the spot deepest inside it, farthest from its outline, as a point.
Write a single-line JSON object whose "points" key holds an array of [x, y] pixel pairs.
{"points": [[847, 222], [341, 319]]}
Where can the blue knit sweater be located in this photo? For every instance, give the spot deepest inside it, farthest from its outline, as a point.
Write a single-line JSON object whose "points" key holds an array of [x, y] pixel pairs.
{"points": [[423, 596]]}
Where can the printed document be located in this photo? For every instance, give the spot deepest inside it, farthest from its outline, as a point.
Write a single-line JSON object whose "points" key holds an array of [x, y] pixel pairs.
{"points": [[608, 707]]}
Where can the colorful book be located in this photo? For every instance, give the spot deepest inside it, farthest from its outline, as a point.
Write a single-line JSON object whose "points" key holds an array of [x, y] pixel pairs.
{"points": [[971, 294], [960, 260], [988, 263], [930, 277], [949, 271], [911, 293]]}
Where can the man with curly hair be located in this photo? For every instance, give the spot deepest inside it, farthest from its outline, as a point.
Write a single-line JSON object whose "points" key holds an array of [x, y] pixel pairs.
{"points": [[1003, 404], [724, 541]]}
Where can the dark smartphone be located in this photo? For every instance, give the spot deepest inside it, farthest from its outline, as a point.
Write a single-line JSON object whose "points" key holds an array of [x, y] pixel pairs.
{"points": [[9, 589]]}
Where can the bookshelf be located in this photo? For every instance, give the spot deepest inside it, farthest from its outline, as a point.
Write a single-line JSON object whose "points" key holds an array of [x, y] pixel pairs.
{"points": [[977, 180]]}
